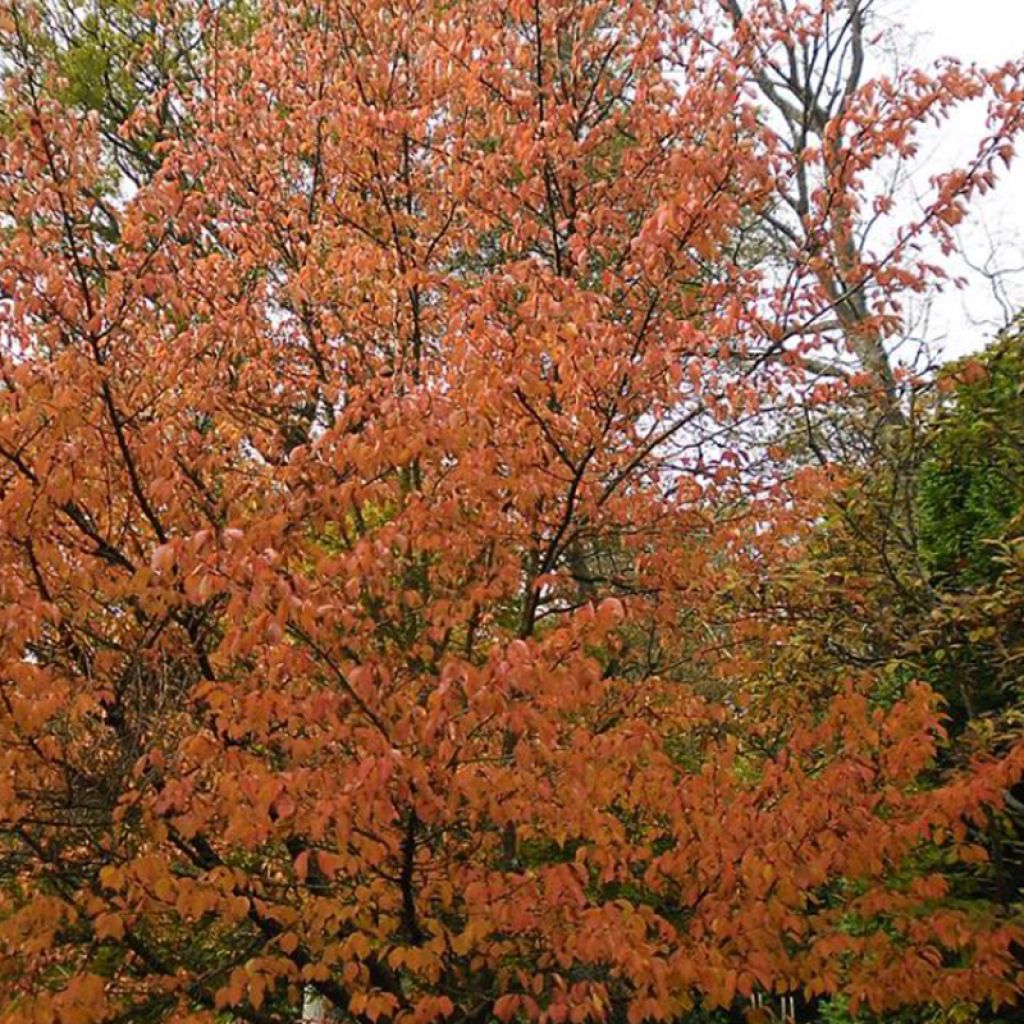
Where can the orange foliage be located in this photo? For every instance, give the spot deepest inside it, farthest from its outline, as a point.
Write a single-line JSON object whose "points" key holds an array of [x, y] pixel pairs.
{"points": [[380, 509]]}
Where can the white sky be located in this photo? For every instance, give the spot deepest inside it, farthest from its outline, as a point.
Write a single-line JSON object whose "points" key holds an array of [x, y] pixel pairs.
{"points": [[988, 32]]}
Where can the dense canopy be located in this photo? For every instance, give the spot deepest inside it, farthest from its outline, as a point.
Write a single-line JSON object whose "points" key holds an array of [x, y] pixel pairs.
{"points": [[454, 502]]}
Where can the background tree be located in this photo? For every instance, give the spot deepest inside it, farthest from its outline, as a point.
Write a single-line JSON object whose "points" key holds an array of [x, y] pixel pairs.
{"points": [[916, 575]]}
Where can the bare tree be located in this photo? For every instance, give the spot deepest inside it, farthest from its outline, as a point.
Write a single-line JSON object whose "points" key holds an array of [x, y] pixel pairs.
{"points": [[808, 84]]}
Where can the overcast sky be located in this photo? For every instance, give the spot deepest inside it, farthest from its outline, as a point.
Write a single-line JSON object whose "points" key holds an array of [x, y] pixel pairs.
{"points": [[988, 32]]}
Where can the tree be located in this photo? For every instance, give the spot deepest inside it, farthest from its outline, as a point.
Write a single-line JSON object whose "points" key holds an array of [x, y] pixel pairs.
{"points": [[810, 77], [972, 486], [383, 512], [129, 62], [915, 573]]}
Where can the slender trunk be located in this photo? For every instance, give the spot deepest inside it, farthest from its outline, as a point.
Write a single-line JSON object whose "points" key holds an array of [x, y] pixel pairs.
{"points": [[314, 1006]]}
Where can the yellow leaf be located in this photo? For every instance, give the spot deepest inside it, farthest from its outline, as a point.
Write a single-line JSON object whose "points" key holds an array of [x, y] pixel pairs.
{"points": [[109, 926]]}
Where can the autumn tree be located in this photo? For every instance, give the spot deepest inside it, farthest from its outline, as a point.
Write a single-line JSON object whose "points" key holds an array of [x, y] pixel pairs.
{"points": [[831, 213], [385, 507]]}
